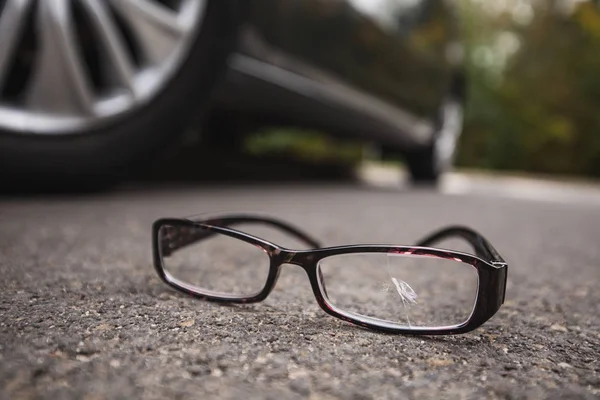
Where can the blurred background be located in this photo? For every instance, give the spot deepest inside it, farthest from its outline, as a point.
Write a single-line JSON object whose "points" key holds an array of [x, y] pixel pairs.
{"points": [[533, 90], [534, 87], [199, 89]]}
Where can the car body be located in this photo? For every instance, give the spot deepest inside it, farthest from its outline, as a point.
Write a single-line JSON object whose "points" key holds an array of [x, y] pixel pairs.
{"points": [[348, 67], [386, 72]]}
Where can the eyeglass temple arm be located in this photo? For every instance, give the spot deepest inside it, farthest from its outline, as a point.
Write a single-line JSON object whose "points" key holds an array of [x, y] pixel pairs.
{"points": [[187, 237], [483, 248]]}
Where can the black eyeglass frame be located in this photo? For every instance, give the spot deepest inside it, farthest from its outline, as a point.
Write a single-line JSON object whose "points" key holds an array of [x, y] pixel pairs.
{"points": [[491, 268]]}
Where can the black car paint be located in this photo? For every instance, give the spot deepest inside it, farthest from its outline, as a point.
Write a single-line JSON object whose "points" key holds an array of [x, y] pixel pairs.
{"points": [[347, 67]]}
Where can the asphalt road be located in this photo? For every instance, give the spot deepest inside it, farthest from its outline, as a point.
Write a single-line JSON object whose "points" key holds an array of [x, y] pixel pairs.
{"points": [[83, 314]]}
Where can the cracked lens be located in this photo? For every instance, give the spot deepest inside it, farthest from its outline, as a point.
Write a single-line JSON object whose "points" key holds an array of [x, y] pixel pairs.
{"points": [[405, 290], [407, 294]]}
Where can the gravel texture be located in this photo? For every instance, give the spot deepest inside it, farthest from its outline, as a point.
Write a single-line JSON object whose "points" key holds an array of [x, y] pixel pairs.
{"points": [[83, 314]]}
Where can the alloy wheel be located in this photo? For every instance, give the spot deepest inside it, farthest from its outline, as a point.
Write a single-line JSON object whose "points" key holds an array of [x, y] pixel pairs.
{"points": [[67, 66]]}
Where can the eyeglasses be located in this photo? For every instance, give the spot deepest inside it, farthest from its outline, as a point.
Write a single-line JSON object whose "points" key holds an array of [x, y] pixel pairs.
{"points": [[396, 289]]}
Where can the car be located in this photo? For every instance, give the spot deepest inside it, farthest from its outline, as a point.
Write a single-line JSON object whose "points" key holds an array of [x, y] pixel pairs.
{"points": [[93, 89]]}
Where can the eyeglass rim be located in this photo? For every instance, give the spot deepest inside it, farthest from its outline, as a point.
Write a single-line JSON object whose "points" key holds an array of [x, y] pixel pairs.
{"points": [[492, 276]]}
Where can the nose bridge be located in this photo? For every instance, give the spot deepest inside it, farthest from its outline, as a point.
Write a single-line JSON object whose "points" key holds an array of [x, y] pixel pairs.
{"points": [[304, 260], [298, 258], [288, 257]]}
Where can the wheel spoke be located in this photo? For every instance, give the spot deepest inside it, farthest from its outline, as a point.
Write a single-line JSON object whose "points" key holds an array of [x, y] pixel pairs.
{"points": [[188, 14], [73, 63], [11, 21], [158, 29], [112, 42], [59, 83]]}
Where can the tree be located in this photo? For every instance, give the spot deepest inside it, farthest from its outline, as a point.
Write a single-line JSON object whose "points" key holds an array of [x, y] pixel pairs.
{"points": [[536, 108]]}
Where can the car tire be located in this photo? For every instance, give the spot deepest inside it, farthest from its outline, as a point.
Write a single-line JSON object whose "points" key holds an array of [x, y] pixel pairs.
{"points": [[428, 163], [115, 149], [422, 166]]}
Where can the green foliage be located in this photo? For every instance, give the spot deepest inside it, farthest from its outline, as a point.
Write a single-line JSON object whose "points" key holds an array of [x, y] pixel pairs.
{"points": [[304, 145], [537, 109]]}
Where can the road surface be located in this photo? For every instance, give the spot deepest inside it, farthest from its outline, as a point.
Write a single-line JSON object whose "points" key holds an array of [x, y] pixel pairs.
{"points": [[83, 314]]}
